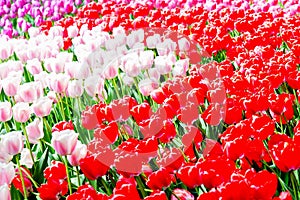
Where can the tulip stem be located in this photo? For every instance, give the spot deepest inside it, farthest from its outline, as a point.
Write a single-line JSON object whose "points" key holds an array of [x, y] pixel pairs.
{"points": [[68, 175], [27, 142], [105, 186], [78, 178], [21, 177], [6, 127], [48, 129], [60, 105], [116, 88], [141, 186]]}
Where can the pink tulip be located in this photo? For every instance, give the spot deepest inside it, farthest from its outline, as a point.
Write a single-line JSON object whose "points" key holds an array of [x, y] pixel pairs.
{"points": [[5, 50], [11, 85], [4, 156], [146, 86], [21, 112], [43, 78], [30, 92], [54, 65], [181, 66], [34, 66], [64, 142], [79, 152], [35, 131], [52, 96], [75, 88], [5, 192], [110, 71], [26, 158], [58, 82], [146, 59], [90, 85], [153, 40], [77, 70], [4, 70], [42, 107], [12, 142], [183, 44], [153, 74], [5, 111], [7, 173], [132, 67]]}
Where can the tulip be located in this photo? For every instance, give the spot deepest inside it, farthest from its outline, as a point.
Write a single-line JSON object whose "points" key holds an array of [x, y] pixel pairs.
{"points": [[26, 158], [146, 59], [181, 67], [146, 86], [59, 82], [132, 67], [5, 111], [34, 66], [11, 85], [42, 107], [5, 192], [12, 142], [30, 92], [75, 88], [7, 173], [4, 156], [79, 152], [64, 142], [35, 131], [21, 112], [183, 44]]}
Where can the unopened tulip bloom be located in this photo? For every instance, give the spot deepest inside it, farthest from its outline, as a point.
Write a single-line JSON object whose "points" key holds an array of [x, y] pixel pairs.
{"points": [[42, 107], [35, 131], [5, 111], [7, 173], [12, 142], [79, 152], [21, 112], [64, 142], [5, 192]]}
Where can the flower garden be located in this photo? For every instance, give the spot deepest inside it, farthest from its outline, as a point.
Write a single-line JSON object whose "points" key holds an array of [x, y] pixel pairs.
{"points": [[154, 100]]}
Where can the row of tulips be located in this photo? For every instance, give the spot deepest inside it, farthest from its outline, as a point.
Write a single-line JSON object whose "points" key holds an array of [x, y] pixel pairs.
{"points": [[158, 124]]}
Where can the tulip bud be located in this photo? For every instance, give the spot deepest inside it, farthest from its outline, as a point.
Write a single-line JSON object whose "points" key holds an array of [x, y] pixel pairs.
{"points": [[79, 152], [146, 86], [64, 142], [5, 111], [7, 173], [75, 88], [42, 107], [35, 131], [21, 112], [12, 142]]}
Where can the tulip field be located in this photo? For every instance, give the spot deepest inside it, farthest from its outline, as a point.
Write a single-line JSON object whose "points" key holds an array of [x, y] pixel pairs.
{"points": [[154, 100]]}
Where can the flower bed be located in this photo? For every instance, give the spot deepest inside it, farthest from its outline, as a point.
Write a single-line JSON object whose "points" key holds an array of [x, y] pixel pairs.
{"points": [[151, 101]]}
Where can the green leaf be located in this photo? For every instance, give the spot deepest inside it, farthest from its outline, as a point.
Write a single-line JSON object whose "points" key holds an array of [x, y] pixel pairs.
{"points": [[42, 164]]}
